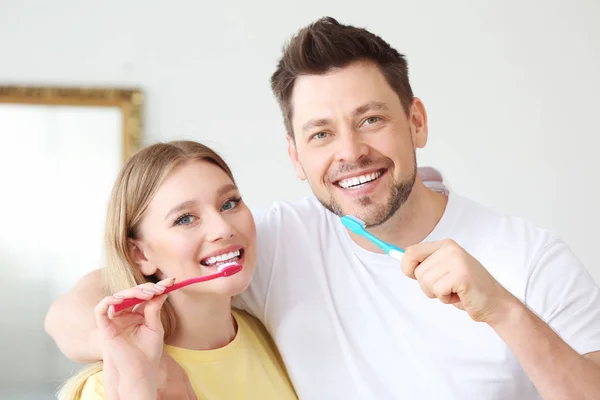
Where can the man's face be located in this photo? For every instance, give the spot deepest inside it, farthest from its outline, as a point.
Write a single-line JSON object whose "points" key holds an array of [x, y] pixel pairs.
{"points": [[354, 142]]}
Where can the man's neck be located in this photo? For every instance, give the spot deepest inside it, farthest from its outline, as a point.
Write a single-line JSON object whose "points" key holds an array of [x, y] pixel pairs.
{"points": [[203, 322], [412, 223]]}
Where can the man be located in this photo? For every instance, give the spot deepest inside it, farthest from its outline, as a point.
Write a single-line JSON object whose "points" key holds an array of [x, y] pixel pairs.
{"points": [[516, 317]]}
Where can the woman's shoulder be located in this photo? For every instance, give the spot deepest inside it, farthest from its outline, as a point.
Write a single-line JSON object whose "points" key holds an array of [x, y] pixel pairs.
{"points": [[262, 349], [254, 334], [87, 385], [93, 389]]}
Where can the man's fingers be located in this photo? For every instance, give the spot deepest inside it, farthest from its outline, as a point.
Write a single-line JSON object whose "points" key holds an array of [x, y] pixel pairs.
{"points": [[416, 254], [443, 289], [429, 280], [432, 268]]}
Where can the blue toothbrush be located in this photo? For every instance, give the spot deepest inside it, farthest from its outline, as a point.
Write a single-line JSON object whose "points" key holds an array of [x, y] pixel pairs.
{"points": [[358, 226]]}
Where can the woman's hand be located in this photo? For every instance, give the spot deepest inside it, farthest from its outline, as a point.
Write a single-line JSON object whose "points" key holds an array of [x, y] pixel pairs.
{"points": [[133, 339]]}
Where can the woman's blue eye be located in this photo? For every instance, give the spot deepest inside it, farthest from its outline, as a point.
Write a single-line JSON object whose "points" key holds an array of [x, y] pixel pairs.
{"points": [[184, 220], [230, 204]]}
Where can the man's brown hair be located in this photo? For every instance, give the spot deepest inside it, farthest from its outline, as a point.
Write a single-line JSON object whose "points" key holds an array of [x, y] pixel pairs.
{"points": [[325, 45]]}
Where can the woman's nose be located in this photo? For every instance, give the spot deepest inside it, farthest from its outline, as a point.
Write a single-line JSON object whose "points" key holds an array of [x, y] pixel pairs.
{"points": [[219, 229]]}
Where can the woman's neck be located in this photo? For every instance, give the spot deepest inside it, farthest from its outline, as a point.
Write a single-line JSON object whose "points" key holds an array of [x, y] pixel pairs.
{"points": [[203, 322]]}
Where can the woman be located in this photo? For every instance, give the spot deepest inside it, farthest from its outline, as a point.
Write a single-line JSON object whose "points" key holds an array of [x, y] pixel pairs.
{"points": [[176, 213]]}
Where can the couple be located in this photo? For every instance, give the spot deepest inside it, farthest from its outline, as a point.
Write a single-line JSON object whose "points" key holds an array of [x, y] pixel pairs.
{"points": [[515, 315]]}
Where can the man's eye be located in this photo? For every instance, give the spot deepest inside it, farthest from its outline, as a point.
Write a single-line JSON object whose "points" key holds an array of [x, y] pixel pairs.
{"points": [[371, 120], [319, 135]]}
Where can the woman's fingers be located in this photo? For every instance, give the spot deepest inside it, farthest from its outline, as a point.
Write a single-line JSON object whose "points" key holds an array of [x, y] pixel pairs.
{"points": [[165, 283], [152, 313], [101, 311], [149, 292], [145, 291]]}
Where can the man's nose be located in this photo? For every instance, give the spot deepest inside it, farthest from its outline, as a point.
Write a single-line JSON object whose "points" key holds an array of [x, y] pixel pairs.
{"points": [[351, 147]]}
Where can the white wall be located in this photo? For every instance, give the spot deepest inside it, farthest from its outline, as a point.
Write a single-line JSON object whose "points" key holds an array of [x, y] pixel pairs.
{"points": [[511, 87]]}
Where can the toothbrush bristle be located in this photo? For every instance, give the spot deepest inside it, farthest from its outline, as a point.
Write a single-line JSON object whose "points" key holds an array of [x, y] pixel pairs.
{"points": [[229, 268], [223, 266]]}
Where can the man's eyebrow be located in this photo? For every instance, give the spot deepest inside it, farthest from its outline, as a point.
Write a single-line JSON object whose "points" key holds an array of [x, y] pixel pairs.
{"points": [[370, 106], [314, 123]]}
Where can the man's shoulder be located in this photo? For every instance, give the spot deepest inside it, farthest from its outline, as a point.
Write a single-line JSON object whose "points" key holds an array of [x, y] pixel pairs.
{"points": [[474, 216], [286, 213], [508, 244], [285, 231], [487, 217]]}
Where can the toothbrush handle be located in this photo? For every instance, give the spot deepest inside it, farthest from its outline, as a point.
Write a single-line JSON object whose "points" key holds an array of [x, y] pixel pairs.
{"points": [[382, 245], [127, 303], [396, 254], [135, 301], [390, 249]]}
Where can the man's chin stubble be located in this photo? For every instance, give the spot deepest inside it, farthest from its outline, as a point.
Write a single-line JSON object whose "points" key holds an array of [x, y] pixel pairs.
{"points": [[379, 214]]}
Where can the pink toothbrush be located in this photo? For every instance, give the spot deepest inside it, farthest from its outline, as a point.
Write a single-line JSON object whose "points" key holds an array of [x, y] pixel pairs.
{"points": [[223, 270]]}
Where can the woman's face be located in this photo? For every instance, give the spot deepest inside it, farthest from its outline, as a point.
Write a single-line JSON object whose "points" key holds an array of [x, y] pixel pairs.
{"points": [[195, 222]]}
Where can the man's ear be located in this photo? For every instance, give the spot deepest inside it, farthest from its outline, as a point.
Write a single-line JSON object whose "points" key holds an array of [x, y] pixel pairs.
{"points": [[293, 153], [418, 123], [137, 255]]}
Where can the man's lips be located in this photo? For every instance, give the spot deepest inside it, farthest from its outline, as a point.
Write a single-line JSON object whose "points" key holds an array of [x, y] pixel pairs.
{"points": [[359, 179]]}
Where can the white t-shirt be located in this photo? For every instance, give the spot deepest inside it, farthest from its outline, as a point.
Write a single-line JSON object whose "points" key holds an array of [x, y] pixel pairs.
{"points": [[350, 325]]}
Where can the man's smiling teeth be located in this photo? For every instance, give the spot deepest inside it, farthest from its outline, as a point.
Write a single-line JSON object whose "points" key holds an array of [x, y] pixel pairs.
{"points": [[358, 180], [227, 257]]}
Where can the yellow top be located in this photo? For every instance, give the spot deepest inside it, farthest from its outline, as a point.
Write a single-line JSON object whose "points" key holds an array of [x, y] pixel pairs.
{"points": [[247, 368]]}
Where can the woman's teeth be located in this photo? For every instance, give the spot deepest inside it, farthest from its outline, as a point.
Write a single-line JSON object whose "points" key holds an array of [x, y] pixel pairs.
{"points": [[223, 258]]}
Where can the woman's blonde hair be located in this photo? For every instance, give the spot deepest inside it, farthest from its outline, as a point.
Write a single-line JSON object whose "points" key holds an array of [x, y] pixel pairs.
{"points": [[134, 188]]}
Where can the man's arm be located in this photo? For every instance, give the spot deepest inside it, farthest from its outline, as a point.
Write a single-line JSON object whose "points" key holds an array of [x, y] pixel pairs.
{"points": [[70, 320], [557, 371], [551, 347]]}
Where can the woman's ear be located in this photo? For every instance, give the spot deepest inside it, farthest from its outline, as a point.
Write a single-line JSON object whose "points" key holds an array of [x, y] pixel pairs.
{"points": [[138, 256]]}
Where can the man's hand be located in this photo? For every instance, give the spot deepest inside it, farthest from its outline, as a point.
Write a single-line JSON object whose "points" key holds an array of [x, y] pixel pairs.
{"points": [[447, 272], [173, 382]]}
